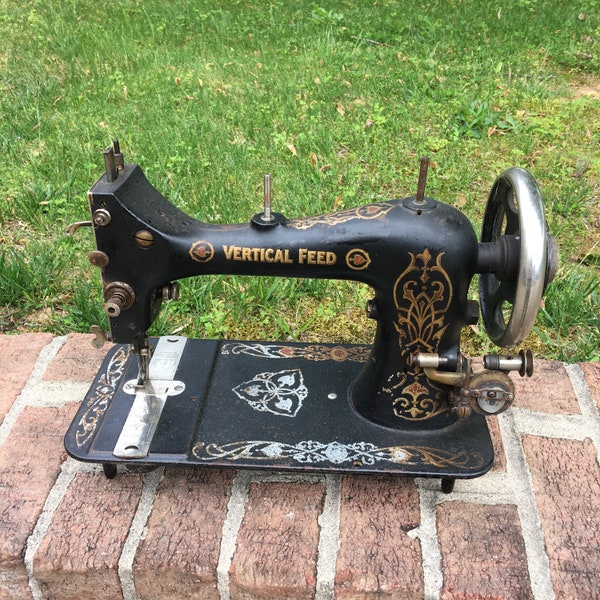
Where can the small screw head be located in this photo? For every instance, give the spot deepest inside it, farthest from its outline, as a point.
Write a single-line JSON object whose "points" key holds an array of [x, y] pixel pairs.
{"points": [[101, 217], [144, 238], [462, 411], [98, 258]]}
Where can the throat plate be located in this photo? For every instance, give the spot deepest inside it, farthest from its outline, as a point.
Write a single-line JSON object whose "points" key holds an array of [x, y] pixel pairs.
{"points": [[139, 427]]}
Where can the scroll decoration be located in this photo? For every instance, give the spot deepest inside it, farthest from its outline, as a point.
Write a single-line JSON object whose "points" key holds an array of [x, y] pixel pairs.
{"points": [[313, 352], [98, 402], [369, 212], [337, 453], [279, 393], [422, 296]]}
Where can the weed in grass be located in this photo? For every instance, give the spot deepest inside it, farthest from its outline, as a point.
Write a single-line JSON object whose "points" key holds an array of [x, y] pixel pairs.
{"points": [[323, 16], [478, 120]]}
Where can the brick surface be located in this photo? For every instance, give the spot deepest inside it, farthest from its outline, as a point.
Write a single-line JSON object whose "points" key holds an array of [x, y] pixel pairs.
{"points": [[276, 553], [276, 550], [77, 360], [377, 559], [15, 589], [179, 555], [591, 373], [566, 481], [498, 444], [548, 391], [18, 354], [30, 461], [483, 553], [78, 558]]}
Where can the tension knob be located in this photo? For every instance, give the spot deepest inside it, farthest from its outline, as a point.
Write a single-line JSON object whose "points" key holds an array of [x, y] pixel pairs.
{"points": [[119, 296]]}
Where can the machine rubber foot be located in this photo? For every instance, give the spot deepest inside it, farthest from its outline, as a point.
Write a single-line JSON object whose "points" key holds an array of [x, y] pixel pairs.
{"points": [[447, 485], [110, 470]]}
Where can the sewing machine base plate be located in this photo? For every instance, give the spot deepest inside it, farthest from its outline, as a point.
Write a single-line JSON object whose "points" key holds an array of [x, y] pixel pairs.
{"points": [[279, 406]]}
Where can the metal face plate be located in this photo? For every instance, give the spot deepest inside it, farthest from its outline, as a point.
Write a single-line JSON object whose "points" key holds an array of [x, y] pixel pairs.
{"points": [[142, 420]]}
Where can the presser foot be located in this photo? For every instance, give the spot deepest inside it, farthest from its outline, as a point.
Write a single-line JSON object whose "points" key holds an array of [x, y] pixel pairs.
{"points": [[258, 405]]}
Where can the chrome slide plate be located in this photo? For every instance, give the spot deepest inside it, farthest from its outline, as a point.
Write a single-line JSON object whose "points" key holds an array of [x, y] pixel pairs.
{"points": [[142, 420]]}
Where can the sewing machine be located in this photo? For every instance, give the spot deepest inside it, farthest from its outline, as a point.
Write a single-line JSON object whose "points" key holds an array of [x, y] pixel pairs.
{"points": [[409, 404]]}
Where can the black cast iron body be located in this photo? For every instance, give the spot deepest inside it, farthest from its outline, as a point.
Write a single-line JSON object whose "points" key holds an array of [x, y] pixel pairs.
{"points": [[323, 407], [418, 257]]}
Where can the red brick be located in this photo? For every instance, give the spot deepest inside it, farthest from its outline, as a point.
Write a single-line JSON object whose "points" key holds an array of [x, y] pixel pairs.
{"points": [[276, 553], [549, 390], [30, 461], [18, 354], [77, 360], [377, 559], [497, 443], [483, 553], [566, 481], [179, 555], [591, 373], [15, 589], [78, 558]]}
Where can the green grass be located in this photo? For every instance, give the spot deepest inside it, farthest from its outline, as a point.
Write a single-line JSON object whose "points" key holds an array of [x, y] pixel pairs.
{"points": [[337, 100]]}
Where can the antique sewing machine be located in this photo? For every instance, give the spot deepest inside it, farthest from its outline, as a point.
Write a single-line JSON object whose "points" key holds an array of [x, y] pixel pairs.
{"points": [[409, 404]]}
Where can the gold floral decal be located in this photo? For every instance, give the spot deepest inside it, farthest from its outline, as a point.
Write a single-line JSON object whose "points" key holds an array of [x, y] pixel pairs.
{"points": [[371, 211], [99, 401], [358, 259], [313, 452], [313, 352], [422, 295], [202, 251]]}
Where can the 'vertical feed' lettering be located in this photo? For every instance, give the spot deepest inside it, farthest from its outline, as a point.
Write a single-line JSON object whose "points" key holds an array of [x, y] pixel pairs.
{"points": [[305, 256]]}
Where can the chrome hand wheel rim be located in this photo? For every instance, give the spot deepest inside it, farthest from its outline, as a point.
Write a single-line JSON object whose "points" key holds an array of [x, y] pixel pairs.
{"points": [[514, 208]]}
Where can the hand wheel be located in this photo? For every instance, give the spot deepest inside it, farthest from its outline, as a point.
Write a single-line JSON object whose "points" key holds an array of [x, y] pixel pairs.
{"points": [[514, 209]]}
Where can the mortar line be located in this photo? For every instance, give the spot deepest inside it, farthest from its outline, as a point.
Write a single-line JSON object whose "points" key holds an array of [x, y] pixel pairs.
{"points": [[285, 477], [430, 550], [491, 489], [136, 533], [44, 358], [55, 394], [572, 427], [586, 402], [533, 538], [68, 470], [236, 509], [329, 538]]}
